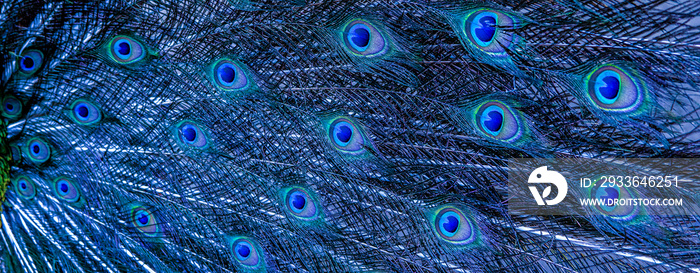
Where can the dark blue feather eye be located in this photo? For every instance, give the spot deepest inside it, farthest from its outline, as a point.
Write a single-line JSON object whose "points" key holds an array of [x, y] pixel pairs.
{"points": [[498, 121], [25, 187], [484, 29], [611, 195], [361, 38], [126, 50], [301, 204], [231, 76], [614, 90], [30, 62], [452, 225], [11, 107], [346, 136], [190, 134], [84, 112], [247, 253], [37, 151], [144, 221], [67, 190]]}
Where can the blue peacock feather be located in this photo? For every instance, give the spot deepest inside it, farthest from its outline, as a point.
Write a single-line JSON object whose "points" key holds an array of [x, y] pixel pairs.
{"points": [[340, 136]]}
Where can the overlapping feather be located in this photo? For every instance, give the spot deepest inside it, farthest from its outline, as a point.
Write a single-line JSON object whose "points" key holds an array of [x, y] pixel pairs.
{"points": [[171, 168]]}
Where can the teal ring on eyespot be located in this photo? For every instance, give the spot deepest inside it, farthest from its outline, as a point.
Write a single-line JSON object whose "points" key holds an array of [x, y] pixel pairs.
{"points": [[246, 253], [613, 89], [345, 136], [66, 190], [230, 76], [84, 112], [190, 134], [452, 225], [38, 151], [484, 29], [363, 39], [11, 107], [30, 62], [25, 187], [496, 120], [145, 221], [301, 204], [126, 50]]}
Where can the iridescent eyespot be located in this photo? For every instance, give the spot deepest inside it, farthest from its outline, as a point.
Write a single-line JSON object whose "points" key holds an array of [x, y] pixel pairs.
{"points": [[144, 221], [67, 190], [126, 50], [84, 112], [301, 204], [231, 76], [24, 187], [346, 136], [484, 29], [16, 153], [362, 38], [614, 90], [615, 201], [498, 121], [37, 151], [452, 225], [247, 254], [11, 107], [190, 134], [30, 62]]}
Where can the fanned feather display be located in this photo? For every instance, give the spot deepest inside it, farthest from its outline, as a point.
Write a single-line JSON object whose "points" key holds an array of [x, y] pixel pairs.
{"points": [[336, 136]]}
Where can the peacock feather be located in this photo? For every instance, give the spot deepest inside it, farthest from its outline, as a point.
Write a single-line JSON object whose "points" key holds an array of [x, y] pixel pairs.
{"points": [[341, 136]]}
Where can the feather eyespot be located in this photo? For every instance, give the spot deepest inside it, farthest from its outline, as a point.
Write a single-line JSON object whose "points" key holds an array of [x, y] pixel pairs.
{"points": [[230, 76], [611, 194], [30, 62], [16, 153], [346, 136], [301, 204], [67, 190], [84, 112], [191, 135], [25, 187], [483, 27], [246, 253], [145, 221], [11, 107], [37, 151], [362, 38], [452, 225], [613, 89], [126, 50], [484, 30], [498, 121]]}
